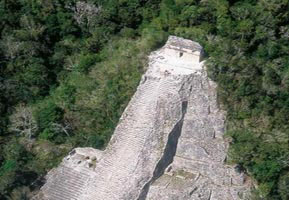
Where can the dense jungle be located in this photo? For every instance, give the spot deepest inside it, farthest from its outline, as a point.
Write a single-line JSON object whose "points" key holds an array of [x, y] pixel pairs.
{"points": [[69, 68]]}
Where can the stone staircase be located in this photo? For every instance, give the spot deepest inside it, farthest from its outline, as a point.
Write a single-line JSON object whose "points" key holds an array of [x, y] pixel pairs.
{"points": [[168, 143], [68, 184], [120, 161]]}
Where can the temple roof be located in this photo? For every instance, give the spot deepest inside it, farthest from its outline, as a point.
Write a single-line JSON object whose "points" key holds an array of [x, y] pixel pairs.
{"points": [[183, 44]]}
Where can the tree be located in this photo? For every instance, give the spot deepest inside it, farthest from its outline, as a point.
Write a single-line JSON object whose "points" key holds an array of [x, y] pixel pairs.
{"points": [[283, 186], [21, 193], [23, 122], [85, 13]]}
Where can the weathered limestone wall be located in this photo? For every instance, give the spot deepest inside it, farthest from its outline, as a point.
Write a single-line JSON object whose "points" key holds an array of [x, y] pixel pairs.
{"points": [[168, 143]]}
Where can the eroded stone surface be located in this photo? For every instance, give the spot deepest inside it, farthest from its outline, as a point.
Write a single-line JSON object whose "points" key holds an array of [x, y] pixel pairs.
{"points": [[168, 143]]}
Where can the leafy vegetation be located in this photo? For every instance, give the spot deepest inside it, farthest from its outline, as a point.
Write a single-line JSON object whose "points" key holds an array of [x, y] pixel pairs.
{"points": [[68, 69]]}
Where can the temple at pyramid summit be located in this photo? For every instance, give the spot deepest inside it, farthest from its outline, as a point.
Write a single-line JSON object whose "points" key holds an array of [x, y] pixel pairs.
{"points": [[168, 144]]}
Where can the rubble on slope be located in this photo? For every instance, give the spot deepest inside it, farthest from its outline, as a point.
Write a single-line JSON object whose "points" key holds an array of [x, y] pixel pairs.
{"points": [[168, 143]]}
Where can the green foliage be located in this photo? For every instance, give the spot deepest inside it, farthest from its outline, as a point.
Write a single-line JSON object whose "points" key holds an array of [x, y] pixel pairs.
{"points": [[243, 61], [7, 166], [102, 94], [78, 76], [46, 156], [86, 62], [21, 193], [15, 157], [63, 96], [47, 134], [47, 113], [283, 186], [7, 175]]}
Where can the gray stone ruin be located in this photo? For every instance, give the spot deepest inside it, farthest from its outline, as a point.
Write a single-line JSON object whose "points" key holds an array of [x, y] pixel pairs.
{"points": [[168, 144]]}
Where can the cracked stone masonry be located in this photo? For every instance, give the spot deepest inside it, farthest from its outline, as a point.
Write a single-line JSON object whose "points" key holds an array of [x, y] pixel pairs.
{"points": [[168, 144]]}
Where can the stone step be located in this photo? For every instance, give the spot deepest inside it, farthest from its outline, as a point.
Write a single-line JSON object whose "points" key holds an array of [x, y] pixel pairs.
{"points": [[71, 183], [68, 184], [62, 190], [58, 193]]}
